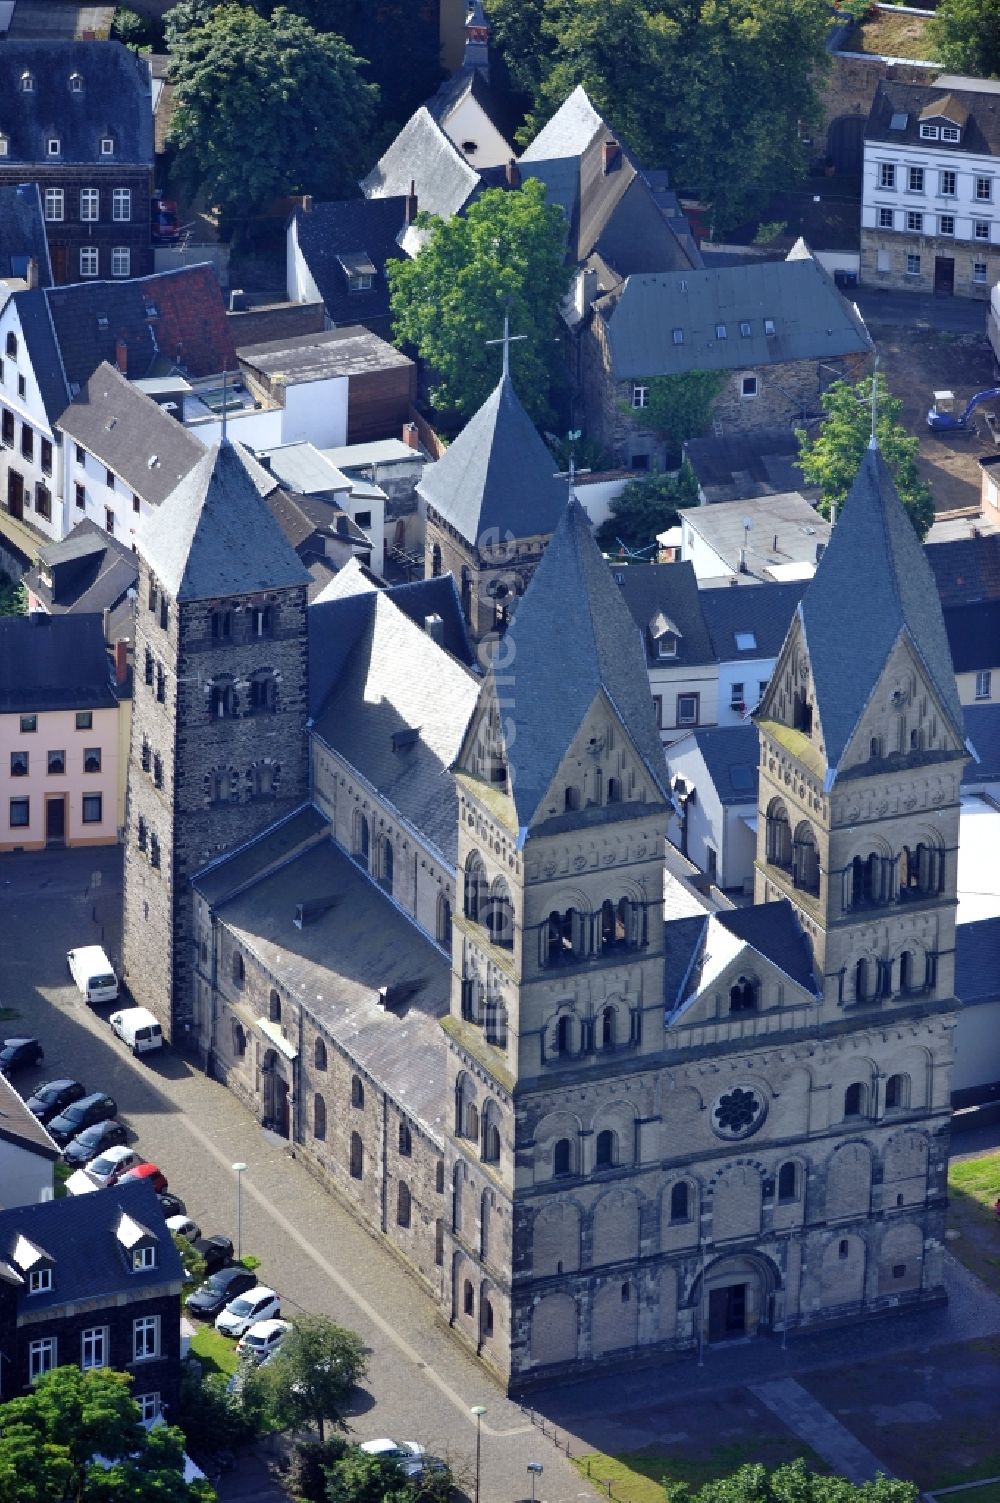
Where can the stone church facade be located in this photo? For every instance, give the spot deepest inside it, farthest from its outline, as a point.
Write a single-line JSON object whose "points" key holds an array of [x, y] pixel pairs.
{"points": [[593, 1136]]}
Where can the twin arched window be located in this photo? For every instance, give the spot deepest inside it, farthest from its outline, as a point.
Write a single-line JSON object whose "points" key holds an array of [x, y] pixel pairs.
{"points": [[744, 995], [221, 699]]}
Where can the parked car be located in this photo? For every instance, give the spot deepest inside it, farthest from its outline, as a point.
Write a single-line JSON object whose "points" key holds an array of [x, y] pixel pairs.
{"points": [[163, 221], [97, 1107], [20, 1054], [94, 1140], [216, 1251], [259, 1303], [170, 1204], [409, 1454], [93, 973], [184, 1227], [263, 1338], [156, 1178], [53, 1097], [220, 1290], [138, 1028], [109, 1166]]}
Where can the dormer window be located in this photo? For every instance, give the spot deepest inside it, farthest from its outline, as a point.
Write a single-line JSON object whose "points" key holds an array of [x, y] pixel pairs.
{"points": [[666, 646], [27, 82], [664, 636], [950, 133], [720, 331], [144, 1258], [359, 270], [76, 83], [929, 132], [40, 1281], [107, 146], [769, 326], [53, 146]]}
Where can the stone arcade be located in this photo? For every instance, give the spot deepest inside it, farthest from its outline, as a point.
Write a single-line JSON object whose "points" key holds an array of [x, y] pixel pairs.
{"points": [[444, 973]]}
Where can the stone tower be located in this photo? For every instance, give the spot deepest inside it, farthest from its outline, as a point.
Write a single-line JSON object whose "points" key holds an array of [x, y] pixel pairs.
{"points": [[219, 745]]}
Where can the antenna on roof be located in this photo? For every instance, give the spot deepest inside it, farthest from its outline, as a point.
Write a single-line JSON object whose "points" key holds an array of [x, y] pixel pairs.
{"points": [[225, 398], [873, 441], [507, 340], [570, 474]]}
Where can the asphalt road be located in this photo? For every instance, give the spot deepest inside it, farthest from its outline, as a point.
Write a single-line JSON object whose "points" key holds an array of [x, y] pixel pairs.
{"points": [[421, 1384], [921, 310]]}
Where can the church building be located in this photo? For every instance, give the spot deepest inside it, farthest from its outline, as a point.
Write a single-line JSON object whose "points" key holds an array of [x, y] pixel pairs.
{"points": [[438, 962]]}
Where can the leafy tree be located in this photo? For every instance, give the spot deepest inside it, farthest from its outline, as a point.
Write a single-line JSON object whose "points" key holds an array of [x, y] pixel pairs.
{"points": [[792, 1483], [194, 1264], [133, 30], [832, 459], [312, 1377], [155, 1474], [965, 35], [13, 597], [504, 256], [212, 1418], [646, 508], [680, 407], [267, 106], [360, 1478], [306, 1476]]}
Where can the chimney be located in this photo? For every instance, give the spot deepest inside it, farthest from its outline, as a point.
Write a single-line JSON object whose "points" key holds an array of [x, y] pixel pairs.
{"points": [[611, 157], [307, 203], [410, 435], [743, 560], [121, 356], [121, 660], [513, 174], [434, 627], [31, 275], [410, 208]]}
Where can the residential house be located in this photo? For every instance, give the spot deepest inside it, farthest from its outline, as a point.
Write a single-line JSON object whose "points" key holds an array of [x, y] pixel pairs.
{"points": [[713, 780], [327, 517], [60, 733], [966, 569], [27, 1153], [24, 248], [976, 1076], [336, 253], [778, 333], [747, 628], [88, 572], [76, 118], [93, 1280], [930, 213], [974, 639], [776, 538], [683, 675], [393, 467], [743, 466]]}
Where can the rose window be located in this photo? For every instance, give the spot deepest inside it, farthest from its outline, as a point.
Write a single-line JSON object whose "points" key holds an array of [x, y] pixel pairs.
{"points": [[738, 1113]]}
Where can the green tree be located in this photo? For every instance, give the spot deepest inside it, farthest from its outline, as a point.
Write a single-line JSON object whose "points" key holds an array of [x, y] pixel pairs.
{"points": [[792, 1483], [133, 30], [965, 35], [154, 1474], [504, 256], [192, 1260], [267, 106], [646, 508], [13, 597], [832, 459], [212, 1418], [312, 1377], [680, 407], [360, 1478]]}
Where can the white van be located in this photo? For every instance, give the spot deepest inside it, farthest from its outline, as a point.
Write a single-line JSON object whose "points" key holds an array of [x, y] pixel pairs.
{"points": [[138, 1028], [93, 973]]}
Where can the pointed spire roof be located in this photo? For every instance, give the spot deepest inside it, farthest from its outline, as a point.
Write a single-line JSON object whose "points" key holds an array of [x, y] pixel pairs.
{"points": [[215, 534], [572, 635], [497, 477], [873, 585]]}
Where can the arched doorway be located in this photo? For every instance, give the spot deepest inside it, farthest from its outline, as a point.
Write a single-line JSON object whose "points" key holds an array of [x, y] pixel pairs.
{"points": [[736, 1300], [275, 1094]]}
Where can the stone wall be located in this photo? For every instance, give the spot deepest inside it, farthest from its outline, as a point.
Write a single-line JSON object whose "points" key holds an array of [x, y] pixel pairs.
{"points": [[884, 262], [490, 578], [850, 89]]}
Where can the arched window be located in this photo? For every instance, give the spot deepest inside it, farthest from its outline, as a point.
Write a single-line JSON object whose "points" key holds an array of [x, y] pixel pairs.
{"points": [[362, 839], [239, 1039], [609, 1029], [562, 1158], [222, 625], [875, 749], [802, 715], [11, 345], [405, 1140], [436, 561], [897, 1092], [403, 1203], [871, 880], [564, 1034], [571, 798], [319, 1055], [906, 972], [357, 1156], [491, 1134], [606, 1154], [855, 1099], [263, 780], [220, 789], [563, 937], [496, 1022], [680, 1201], [357, 1092], [788, 1181], [263, 693], [439, 1177], [469, 1298], [274, 1007], [861, 980], [805, 860], [443, 920], [501, 916], [487, 1317], [616, 924], [319, 1117], [921, 870], [614, 790], [471, 1125], [743, 995], [385, 863], [238, 971], [476, 887], [221, 699], [778, 835]]}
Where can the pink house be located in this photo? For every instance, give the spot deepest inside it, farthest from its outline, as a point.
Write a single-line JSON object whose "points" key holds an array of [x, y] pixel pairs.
{"points": [[59, 733]]}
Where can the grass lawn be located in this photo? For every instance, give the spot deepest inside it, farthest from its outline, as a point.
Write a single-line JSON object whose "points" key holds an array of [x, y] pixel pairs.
{"points": [[637, 1476], [892, 36], [974, 1186], [217, 1354]]}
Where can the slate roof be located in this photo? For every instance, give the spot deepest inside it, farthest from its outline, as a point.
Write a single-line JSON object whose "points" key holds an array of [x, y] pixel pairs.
{"points": [[91, 571], [966, 569], [420, 598], [874, 561], [569, 132], [21, 1127], [773, 930], [215, 535], [422, 155], [730, 754], [345, 226], [973, 635], [571, 637], [498, 477], [765, 612], [980, 131], [977, 961], [53, 663], [738, 465], [982, 726], [468, 82], [43, 351], [22, 232], [393, 677], [811, 319], [116, 101], [232, 874], [683, 938], [673, 590], [126, 430], [79, 1233]]}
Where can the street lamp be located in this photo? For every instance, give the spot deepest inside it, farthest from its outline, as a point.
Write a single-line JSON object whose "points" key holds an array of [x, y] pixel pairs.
{"points": [[238, 1170], [535, 1469], [478, 1410]]}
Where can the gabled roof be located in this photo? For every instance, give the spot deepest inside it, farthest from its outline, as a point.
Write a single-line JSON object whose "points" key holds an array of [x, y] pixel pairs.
{"points": [[977, 114], [569, 132], [982, 726], [418, 599], [115, 100], [422, 155], [811, 320], [772, 929], [80, 1235], [21, 1127], [966, 569], [54, 663], [330, 230], [736, 466], [215, 535], [875, 562], [730, 754], [763, 614], [498, 477], [468, 83], [126, 430], [91, 571], [973, 635], [22, 233], [33, 314], [673, 590], [571, 637]]}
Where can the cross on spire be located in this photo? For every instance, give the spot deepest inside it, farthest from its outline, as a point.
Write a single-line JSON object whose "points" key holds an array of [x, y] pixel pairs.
{"points": [[507, 340], [570, 474]]}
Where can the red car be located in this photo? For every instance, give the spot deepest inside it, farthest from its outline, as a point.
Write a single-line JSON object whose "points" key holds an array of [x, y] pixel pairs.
{"points": [[155, 1176]]}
